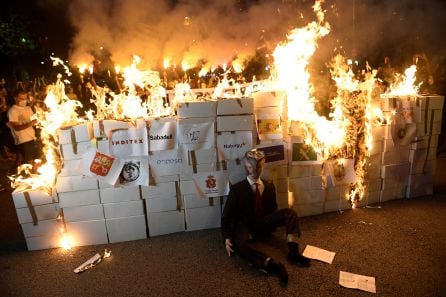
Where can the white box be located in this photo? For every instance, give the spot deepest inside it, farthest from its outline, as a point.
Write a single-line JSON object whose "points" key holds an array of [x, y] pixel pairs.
{"points": [[87, 232], [113, 195], [104, 185], [420, 185], [373, 185], [70, 167], [165, 179], [281, 185], [43, 212], [311, 209], [187, 172], [379, 132], [297, 171], [395, 170], [369, 198], [83, 213], [123, 209], [78, 198], [309, 196], [395, 157], [389, 145], [435, 102], [373, 172], [74, 151], [423, 166], [168, 189], [76, 183], [397, 182], [188, 187], [197, 109], [283, 200], [43, 242], [160, 204], [127, 228], [166, 222], [377, 147], [237, 171], [305, 183], [337, 193], [103, 145], [43, 228], [421, 154], [235, 123], [193, 201], [264, 99], [201, 218], [425, 142], [36, 197], [392, 194], [235, 106], [78, 133], [337, 205], [102, 128], [202, 156]]}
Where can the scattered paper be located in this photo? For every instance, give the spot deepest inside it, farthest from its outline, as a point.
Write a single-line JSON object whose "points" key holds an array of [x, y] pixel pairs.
{"points": [[356, 281], [316, 253], [93, 261]]}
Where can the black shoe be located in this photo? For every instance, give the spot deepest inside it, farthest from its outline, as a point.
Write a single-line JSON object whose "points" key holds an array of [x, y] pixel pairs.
{"points": [[297, 258], [279, 268]]}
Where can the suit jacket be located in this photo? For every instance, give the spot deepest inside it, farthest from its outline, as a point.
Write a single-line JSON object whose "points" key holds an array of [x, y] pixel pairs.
{"points": [[240, 206]]}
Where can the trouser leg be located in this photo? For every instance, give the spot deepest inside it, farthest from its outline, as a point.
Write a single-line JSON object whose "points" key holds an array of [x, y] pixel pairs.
{"points": [[244, 248], [283, 217]]}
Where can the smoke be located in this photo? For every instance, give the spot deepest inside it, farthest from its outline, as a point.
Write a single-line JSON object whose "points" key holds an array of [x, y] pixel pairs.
{"points": [[213, 32]]}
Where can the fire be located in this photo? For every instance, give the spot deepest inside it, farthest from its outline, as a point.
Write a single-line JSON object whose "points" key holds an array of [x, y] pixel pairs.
{"points": [[203, 72], [404, 85], [82, 68], [66, 242], [166, 63], [185, 65]]}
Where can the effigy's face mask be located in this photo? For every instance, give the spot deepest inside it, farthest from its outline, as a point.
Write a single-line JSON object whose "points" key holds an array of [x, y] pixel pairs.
{"points": [[254, 168]]}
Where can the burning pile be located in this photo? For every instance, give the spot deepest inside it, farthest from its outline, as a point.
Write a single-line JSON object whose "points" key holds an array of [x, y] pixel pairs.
{"points": [[146, 163]]}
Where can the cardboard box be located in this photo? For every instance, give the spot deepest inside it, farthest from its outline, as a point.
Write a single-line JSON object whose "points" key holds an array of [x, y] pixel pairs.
{"points": [[373, 172], [395, 157], [395, 170], [305, 183], [43, 212], [369, 198], [392, 194], [377, 147], [202, 156], [43, 228], [74, 151], [76, 183], [235, 123], [424, 167], [425, 142], [70, 167], [373, 185], [233, 106], [389, 145], [298, 171], [422, 154], [168, 189], [166, 222], [193, 201], [165, 179], [102, 128], [309, 209], [79, 198], [337, 205], [236, 170], [420, 185], [78, 133], [87, 232], [309, 196], [187, 172], [160, 204], [284, 200], [83, 213], [281, 185], [114, 195], [379, 132], [127, 228], [434, 102], [201, 218], [36, 197], [103, 145], [197, 109], [337, 193], [123, 209], [265, 99], [43, 242]]}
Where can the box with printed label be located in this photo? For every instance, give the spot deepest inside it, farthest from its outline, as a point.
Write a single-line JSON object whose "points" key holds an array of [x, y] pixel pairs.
{"points": [[83, 213], [235, 123], [127, 228], [165, 222], [76, 183], [113, 195], [197, 109], [123, 209], [43, 212], [79, 198], [87, 232], [78, 133], [35, 197], [233, 106]]}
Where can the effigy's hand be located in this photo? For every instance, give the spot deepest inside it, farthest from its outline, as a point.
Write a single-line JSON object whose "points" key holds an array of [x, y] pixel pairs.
{"points": [[228, 246]]}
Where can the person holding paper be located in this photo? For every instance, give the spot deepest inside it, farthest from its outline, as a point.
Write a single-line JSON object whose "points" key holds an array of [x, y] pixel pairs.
{"points": [[251, 211]]}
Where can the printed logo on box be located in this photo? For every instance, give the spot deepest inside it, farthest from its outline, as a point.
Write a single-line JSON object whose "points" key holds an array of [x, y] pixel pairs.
{"points": [[101, 164], [130, 172], [211, 182]]}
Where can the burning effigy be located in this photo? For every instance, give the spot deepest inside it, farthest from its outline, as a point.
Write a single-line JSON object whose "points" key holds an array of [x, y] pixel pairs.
{"points": [[137, 168]]}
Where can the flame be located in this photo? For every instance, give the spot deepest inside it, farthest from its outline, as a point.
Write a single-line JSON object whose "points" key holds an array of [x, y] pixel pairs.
{"points": [[185, 65], [203, 72], [117, 69], [91, 68], [404, 85], [82, 68], [66, 242], [166, 63], [237, 66]]}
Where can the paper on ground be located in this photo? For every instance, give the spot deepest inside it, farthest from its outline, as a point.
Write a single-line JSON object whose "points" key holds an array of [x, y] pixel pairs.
{"points": [[316, 253], [357, 281]]}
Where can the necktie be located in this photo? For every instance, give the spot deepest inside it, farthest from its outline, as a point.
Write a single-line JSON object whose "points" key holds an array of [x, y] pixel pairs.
{"points": [[258, 203]]}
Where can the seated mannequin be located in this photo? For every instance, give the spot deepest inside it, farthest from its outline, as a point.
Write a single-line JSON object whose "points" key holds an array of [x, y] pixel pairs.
{"points": [[250, 211]]}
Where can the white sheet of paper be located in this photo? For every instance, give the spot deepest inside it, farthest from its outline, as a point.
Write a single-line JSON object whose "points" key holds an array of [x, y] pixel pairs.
{"points": [[316, 253], [357, 281]]}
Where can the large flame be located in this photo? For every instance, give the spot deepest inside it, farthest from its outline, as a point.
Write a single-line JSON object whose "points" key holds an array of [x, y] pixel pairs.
{"points": [[404, 84]]}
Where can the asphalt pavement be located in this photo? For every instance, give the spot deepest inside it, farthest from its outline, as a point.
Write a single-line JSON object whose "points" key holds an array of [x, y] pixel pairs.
{"points": [[402, 243]]}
